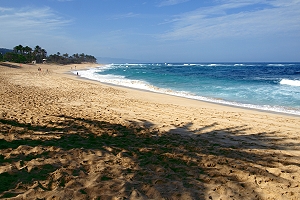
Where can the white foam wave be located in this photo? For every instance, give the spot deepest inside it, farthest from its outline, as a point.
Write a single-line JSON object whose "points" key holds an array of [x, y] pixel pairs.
{"points": [[278, 109], [223, 65], [239, 65], [213, 65], [290, 82], [185, 64], [276, 65], [280, 64], [137, 84]]}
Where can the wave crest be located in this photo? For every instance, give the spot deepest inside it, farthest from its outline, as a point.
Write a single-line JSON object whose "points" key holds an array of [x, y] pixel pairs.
{"points": [[290, 82]]}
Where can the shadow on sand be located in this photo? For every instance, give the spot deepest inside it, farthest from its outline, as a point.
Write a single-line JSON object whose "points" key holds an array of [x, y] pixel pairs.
{"points": [[83, 158], [11, 65]]}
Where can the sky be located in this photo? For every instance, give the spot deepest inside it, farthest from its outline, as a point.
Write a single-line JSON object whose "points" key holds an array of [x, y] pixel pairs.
{"points": [[157, 30]]}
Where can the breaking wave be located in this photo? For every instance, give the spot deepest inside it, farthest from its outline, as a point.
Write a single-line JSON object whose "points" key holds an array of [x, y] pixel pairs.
{"points": [[290, 82]]}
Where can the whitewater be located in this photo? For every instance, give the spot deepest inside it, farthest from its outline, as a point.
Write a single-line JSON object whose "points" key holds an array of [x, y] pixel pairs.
{"points": [[265, 86]]}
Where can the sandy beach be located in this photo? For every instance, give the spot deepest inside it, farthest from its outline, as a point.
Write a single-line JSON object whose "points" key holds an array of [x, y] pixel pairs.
{"points": [[63, 137]]}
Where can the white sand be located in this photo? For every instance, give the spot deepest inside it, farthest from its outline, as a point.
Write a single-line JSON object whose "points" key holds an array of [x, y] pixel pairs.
{"points": [[62, 137]]}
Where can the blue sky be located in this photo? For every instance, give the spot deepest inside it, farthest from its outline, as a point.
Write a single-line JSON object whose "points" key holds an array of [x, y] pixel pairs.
{"points": [[157, 30]]}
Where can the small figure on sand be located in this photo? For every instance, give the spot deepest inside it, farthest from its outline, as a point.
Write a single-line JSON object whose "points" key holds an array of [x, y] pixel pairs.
{"points": [[39, 69], [77, 74]]}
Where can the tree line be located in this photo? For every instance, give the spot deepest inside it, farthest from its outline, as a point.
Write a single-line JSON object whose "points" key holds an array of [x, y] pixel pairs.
{"points": [[25, 54], [74, 59]]}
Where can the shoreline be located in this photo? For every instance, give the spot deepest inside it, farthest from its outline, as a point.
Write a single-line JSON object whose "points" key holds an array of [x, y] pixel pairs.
{"points": [[65, 137], [200, 100]]}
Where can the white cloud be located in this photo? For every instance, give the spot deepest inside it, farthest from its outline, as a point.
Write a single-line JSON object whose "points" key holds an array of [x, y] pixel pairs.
{"points": [[230, 19], [171, 2], [32, 20], [5, 9], [32, 26]]}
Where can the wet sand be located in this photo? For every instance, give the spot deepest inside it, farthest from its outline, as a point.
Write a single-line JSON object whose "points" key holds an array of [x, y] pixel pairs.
{"points": [[62, 137]]}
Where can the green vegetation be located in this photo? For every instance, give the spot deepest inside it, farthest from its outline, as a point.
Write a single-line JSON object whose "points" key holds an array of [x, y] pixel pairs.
{"points": [[66, 59], [21, 54], [1, 57]]}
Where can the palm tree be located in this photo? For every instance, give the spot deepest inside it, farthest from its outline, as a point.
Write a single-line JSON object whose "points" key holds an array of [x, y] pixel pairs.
{"points": [[18, 49], [21, 49], [76, 55], [37, 53], [44, 53], [28, 51], [66, 55]]}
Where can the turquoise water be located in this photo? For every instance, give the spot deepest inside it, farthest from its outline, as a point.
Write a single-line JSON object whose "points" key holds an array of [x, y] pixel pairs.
{"points": [[265, 86]]}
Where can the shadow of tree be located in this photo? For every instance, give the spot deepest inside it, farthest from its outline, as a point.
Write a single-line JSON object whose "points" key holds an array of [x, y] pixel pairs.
{"points": [[11, 65], [78, 157]]}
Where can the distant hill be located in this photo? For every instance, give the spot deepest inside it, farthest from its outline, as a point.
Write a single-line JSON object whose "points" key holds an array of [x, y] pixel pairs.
{"points": [[4, 51]]}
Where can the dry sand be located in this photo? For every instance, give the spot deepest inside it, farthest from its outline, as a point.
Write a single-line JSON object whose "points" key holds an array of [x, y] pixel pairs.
{"points": [[62, 137]]}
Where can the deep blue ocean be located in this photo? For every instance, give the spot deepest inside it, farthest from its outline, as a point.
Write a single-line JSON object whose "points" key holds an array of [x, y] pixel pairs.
{"points": [[265, 86]]}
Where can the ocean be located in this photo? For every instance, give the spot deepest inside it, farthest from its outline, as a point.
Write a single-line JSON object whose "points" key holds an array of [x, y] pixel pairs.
{"points": [[265, 86]]}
